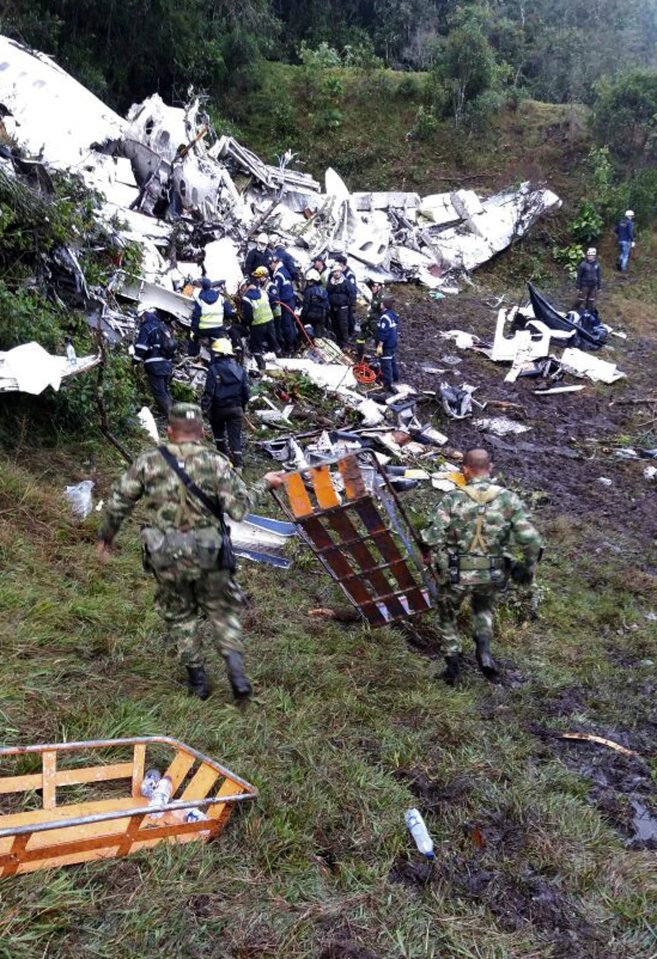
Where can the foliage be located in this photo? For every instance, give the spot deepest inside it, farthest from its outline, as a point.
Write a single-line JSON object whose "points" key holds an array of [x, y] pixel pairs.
{"points": [[569, 257], [426, 124], [625, 116], [588, 224]]}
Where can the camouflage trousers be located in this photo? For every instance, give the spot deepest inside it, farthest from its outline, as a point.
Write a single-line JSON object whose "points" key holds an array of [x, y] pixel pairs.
{"points": [[447, 608], [181, 601]]}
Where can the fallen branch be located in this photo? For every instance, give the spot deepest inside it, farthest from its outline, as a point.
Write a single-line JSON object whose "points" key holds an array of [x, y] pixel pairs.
{"points": [[600, 740], [100, 401]]}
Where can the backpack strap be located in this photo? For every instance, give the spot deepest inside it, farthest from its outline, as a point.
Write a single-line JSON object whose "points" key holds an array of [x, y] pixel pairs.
{"points": [[483, 498], [211, 505]]}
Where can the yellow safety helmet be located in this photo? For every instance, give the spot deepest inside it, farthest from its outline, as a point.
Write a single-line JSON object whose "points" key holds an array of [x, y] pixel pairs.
{"points": [[223, 346], [260, 271]]}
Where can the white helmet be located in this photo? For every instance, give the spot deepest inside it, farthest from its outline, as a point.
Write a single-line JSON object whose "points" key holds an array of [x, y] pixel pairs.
{"points": [[591, 251], [262, 238], [629, 214], [313, 274]]}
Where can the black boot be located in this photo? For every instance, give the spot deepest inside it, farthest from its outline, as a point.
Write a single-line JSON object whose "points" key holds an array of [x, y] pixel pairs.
{"points": [[197, 681], [452, 669], [484, 659], [235, 669]]}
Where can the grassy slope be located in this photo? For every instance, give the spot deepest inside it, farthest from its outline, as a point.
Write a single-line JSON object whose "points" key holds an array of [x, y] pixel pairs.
{"points": [[348, 729]]}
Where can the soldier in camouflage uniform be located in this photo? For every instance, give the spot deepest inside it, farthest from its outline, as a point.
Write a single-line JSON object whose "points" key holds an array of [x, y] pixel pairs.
{"points": [[182, 543], [471, 536]]}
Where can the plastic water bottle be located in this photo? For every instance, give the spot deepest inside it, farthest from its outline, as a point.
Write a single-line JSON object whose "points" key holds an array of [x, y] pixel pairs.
{"points": [[149, 782], [195, 815], [161, 795], [419, 832], [70, 352]]}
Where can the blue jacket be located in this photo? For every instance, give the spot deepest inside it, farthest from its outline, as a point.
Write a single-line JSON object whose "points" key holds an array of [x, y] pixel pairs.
{"points": [[155, 346], [283, 282], [350, 276], [288, 261], [315, 303], [226, 384], [387, 330], [210, 296], [624, 230]]}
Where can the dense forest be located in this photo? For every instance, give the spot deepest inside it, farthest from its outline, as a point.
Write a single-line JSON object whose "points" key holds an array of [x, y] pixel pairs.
{"points": [[552, 50]]}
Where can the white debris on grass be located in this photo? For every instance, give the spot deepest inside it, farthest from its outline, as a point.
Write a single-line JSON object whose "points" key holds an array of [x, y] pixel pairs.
{"points": [[31, 369]]}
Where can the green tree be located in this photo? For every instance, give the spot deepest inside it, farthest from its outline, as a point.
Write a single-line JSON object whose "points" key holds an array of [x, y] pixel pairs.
{"points": [[625, 116]]}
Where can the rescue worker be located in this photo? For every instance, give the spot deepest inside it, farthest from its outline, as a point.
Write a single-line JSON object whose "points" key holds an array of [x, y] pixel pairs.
{"points": [[259, 255], [319, 264], [287, 335], [368, 325], [315, 309], [224, 400], [187, 489], [589, 280], [350, 276], [211, 316], [624, 231], [259, 316], [340, 297], [471, 536], [288, 262], [154, 350], [386, 337]]}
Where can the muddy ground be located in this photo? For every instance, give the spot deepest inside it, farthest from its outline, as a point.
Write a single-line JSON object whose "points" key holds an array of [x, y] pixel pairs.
{"points": [[573, 435]]}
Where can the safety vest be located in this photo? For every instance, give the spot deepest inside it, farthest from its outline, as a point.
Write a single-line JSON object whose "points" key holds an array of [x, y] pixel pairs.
{"points": [[212, 314], [262, 311]]}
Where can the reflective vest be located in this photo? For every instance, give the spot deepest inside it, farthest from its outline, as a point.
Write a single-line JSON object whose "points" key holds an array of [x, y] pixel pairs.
{"points": [[212, 314], [262, 311]]}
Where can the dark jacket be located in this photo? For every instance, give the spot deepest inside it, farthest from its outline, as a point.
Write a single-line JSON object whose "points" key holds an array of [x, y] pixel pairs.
{"points": [[315, 304], [387, 330], [256, 258], [226, 384], [210, 297], [289, 262], [624, 230], [155, 346], [351, 279], [283, 282], [340, 293], [589, 274]]}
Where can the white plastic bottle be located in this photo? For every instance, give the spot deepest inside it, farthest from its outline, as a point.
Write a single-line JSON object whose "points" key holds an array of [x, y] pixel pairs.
{"points": [[195, 815], [161, 795], [149, 782], [419, 832], [70, 352]]}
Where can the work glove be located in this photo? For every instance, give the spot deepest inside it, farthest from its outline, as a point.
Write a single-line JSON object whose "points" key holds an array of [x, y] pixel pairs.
{"points": [[522, 573], [379, 349]]}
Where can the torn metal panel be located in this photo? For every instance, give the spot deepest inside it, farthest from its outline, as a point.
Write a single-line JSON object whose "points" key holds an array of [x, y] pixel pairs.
{"points": [[328, 376], [439, 209], [405, 202], [31, 369], [222, 262], [583, 364], [533, 343], [48, 113], [153, 296], [371, 553]]}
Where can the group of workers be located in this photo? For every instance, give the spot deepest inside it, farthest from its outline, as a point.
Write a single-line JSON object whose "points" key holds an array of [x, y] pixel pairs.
{"points": [[589, 273], [266, 307]]}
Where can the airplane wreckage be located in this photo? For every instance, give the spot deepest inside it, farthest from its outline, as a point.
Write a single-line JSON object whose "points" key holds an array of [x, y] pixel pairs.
{"points": [[193, 200]]}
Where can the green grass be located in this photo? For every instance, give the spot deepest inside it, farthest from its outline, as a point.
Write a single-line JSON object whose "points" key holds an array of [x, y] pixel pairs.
{"points": [[344, 722]]}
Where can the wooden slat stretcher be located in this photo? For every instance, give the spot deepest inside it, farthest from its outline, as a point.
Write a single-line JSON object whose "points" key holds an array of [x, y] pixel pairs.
{"points": [[102, 828], [355, 541]]}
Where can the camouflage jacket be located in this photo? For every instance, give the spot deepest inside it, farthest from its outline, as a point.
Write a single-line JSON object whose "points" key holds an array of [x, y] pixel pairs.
{"points": [[505, 523], [168, 504]]}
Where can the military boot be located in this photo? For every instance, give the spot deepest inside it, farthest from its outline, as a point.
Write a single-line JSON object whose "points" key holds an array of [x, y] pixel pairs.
{"points": [[197, 681], [235, 669], [484, 659], [452, 669]]}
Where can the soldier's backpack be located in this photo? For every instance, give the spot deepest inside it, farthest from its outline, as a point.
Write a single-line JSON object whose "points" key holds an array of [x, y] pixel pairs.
{"points": [[478, 566]]}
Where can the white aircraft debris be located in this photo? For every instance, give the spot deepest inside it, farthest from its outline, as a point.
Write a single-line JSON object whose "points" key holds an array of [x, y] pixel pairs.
{"points": [[31, 369]]}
